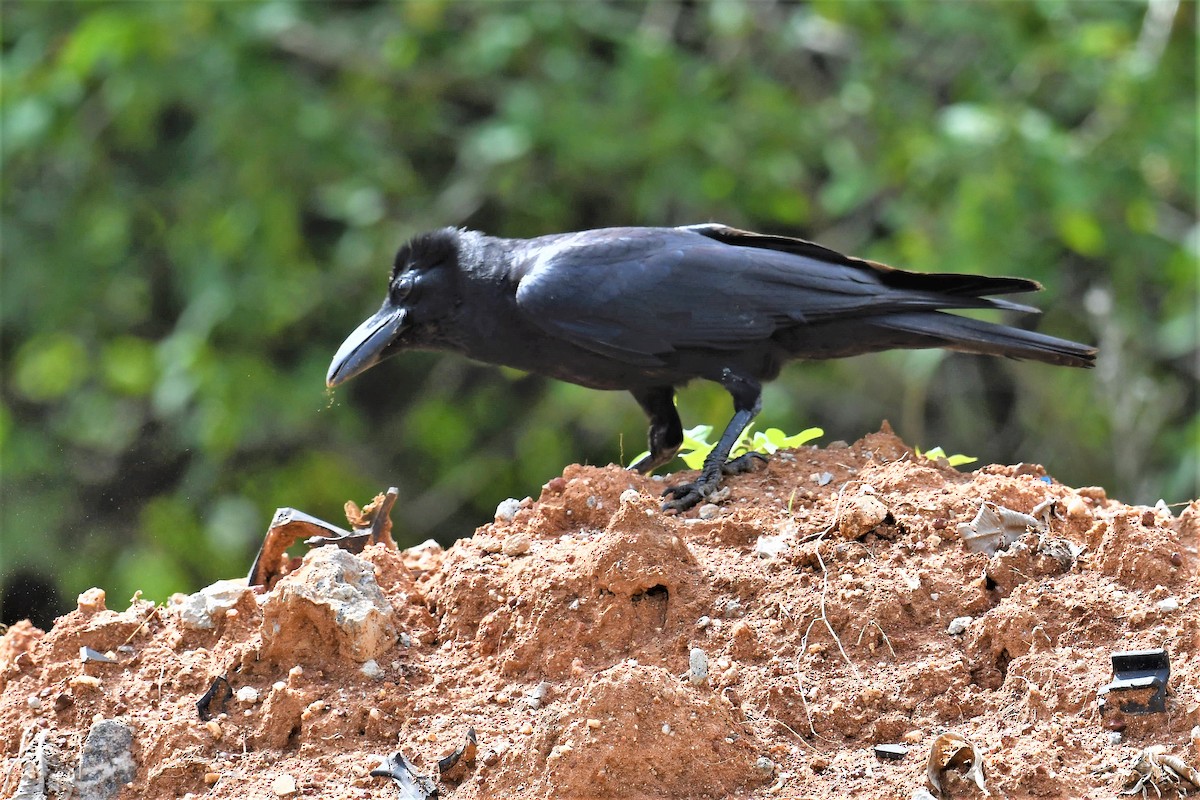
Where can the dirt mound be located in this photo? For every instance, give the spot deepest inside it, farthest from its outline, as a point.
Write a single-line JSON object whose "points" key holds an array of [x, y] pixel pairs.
{"points": [[759, 648]]}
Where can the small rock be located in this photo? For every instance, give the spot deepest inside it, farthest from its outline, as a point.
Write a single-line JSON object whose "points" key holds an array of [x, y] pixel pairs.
{"points": [[515, 545], [697, 666], [91, 601], [1168, 604], [106, 763], [334, 600], [198, 611], [534, 697], [824, 478], [1077, 507], [630, 495], [708, 510], [771, 546], [507, 509], [1114, 738], [958, 625], [765, 765], [704, 622], [371, 669], [247, 695], [593, 723], [283, 785], [210, 778], [214, 729], [861, 515]]}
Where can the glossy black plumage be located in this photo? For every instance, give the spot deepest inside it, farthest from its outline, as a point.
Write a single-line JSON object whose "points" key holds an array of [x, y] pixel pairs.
{"points": [[648, 309]]}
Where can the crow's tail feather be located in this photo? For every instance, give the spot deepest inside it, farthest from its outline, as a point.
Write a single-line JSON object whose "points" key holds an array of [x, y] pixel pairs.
{"points": [[967, 335]]}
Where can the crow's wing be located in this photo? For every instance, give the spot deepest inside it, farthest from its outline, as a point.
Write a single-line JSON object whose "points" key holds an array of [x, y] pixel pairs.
{"points": [[641, 293]]}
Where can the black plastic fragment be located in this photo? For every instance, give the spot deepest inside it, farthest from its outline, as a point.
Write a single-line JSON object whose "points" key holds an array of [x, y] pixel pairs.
{"points": [[894, 752], [288, 525], [463, 754], [217, 694], [411, 785], [1139, 682], [88, 654]]}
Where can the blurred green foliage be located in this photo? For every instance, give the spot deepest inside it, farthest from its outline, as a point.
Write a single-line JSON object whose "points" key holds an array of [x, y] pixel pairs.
{"points": [[200, 199]]}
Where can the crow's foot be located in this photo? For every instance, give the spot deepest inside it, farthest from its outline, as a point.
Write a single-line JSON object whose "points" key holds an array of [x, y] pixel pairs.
{"points": [[744, 463], [687, 495]]}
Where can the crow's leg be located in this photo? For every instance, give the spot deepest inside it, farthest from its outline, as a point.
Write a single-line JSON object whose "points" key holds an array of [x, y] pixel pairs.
{"points": [[747, 401], [666, 431]]}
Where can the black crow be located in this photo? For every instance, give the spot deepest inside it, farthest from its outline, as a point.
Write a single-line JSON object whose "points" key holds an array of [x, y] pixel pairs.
{"points": [[648, 309]]}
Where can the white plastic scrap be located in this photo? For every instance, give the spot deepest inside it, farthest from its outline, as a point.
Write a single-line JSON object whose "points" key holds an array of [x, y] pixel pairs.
{"points": [[995, 528]]}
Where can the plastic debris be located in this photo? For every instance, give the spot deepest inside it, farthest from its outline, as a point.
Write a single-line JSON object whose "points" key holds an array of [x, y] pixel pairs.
{"points": [[1159, 770], [1139, 681], [893, 752], [952, 751], [995, 528], [464, 754], [87, 654], [411, 785], [212, 701], [371, 524]]}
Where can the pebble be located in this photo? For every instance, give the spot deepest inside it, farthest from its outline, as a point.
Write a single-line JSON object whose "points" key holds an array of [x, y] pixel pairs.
{"points": [[91, 601], [34, 702], [704, 622], [507, 509], [765, 765], [515, 545], [593, 723], [106, 763], [1077, 507], [958, 625], [371, 669], [211, 777], [247, 695], [1168, 604], [283, 785], [630, 495], [708, 511], [214, 729], [697, 666]]}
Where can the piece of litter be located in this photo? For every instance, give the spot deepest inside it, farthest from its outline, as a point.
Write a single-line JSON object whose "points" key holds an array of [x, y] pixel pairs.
{"points": [[893, 752], [995, 528], [952, 751]]}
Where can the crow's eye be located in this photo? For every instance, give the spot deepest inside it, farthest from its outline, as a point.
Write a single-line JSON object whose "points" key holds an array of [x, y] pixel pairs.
{"points": [[402, 287]]}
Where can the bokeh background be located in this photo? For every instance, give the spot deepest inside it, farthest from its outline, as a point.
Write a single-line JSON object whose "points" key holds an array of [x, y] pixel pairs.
{"points": [[201, 199]]}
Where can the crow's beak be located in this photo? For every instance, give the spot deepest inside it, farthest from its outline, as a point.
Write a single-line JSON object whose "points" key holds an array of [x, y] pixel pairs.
{"points": [[364, 348]]}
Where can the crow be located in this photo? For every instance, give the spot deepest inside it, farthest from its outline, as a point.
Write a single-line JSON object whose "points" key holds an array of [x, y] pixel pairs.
{"points": [[646, 310]]}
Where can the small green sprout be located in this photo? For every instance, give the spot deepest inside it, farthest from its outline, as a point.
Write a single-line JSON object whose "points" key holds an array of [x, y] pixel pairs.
{"points": [[937, 453], [696, 447]]}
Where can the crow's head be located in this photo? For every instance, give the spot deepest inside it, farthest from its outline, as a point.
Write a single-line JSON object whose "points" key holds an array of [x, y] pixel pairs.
{"points": [[420, 291]]}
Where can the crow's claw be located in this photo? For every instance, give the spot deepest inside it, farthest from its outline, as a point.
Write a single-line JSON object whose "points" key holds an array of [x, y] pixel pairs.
{"points": [[686, 495], [744, 463]]}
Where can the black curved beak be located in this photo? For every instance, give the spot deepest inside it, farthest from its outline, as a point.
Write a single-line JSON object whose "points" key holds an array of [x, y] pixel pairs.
{"points": [[364, 348]]}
